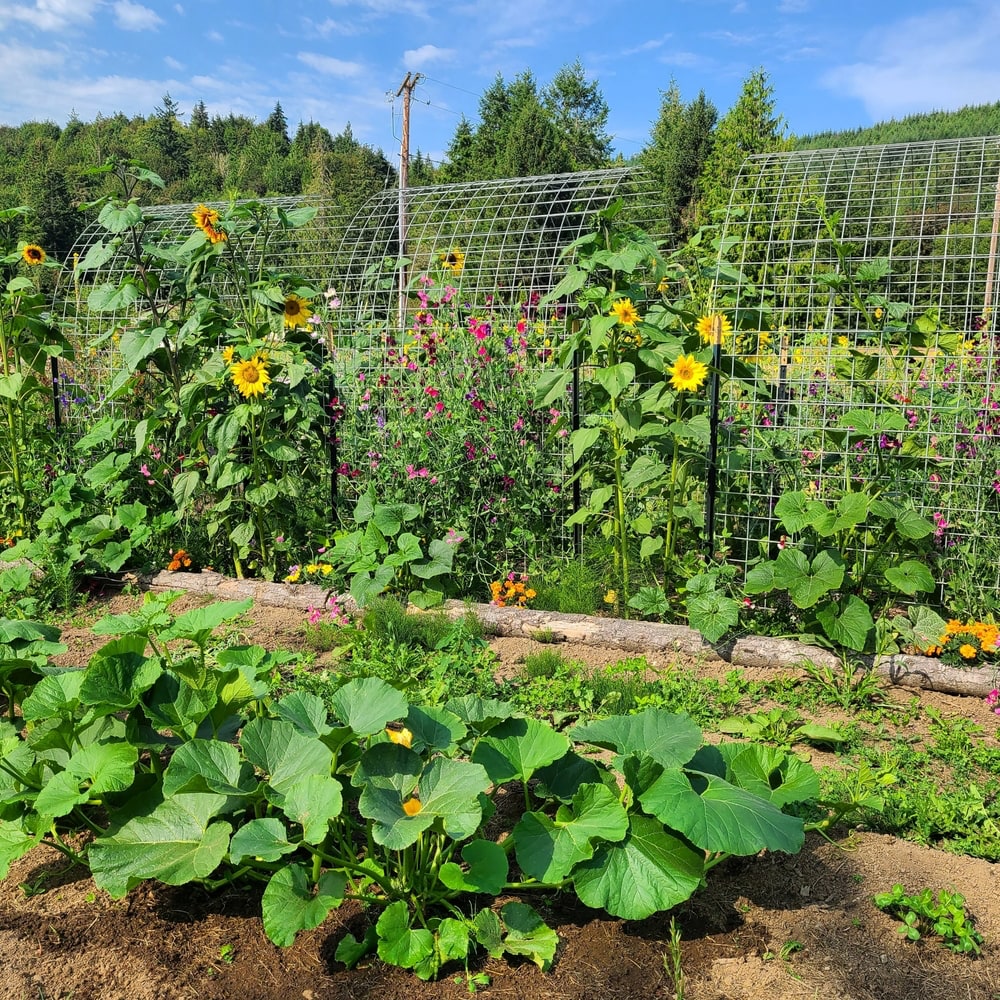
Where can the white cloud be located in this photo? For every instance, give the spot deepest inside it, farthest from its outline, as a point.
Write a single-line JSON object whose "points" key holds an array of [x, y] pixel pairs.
{"points": [[49, 15], [135, 17], [793, 6], [386, 7], [934, 61], [179, 9], [329, 66], [648, 46], [425, 55], [332, 27], [173, 63]]}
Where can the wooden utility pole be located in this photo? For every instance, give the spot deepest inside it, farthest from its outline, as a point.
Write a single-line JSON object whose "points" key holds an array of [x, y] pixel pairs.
{"points": [[406, 90]]}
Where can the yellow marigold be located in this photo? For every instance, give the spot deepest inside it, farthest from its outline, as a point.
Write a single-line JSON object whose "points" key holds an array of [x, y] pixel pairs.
{"points": [[687, 373], [714, 329], [625, 313], [33, 254], [250, 377], [297, 311], [398, 733], [967, 651], [610, 597], [452, 260]]}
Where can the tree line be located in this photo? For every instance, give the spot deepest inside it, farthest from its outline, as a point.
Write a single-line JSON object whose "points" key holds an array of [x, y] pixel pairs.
{"points": [[523, 129]]}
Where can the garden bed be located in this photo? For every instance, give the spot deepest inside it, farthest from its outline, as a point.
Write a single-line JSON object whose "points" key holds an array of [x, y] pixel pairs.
{"points": [[765, 927]]}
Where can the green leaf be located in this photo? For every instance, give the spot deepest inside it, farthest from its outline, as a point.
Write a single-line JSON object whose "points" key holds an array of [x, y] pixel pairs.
{"points": [[528, 935], [398, 943], [807, 582], [265, 839], [175, 843], [517, 748], [850, 510], [305, 711], [434, 729], [208, 766], [480, 714], [552, 385], [312, 802], [283, 753], [366, 704], [291, 903], [350, 950], [718, 816], [713, 614], [389, 518], [671, 740], [910, 576], [118, 675], [582, 439], [198, 623], [615, 379], [563, 778], [487, 869], [53, 696], [448, 790], [797, 510], [848, 622], [549, 847], [439, 561], [771, 773], [116, 218], [60, 795], [909, 524], [649, 871], [14, 844]]}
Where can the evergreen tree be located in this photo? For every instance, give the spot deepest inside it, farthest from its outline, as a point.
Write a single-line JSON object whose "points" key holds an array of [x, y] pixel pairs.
{"points": [[580, 115], [460, 164], [532, 145], [168, 141], [278, 124], [749, 126], [199, 116]]}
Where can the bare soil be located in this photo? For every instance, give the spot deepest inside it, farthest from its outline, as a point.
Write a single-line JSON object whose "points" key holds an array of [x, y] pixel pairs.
{"points": [[772, 927]]}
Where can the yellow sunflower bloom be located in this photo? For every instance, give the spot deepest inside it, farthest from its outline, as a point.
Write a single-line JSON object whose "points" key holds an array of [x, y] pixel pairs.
{"points": [[33, 254], [250, 377], [687, 373], [453, 260], [227, 355], [714, 329], [204, 217], [625, 313], [297, 311]]}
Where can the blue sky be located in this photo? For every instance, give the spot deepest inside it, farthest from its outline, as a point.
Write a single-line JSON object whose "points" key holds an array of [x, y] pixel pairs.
{"points": [[833, 63]]}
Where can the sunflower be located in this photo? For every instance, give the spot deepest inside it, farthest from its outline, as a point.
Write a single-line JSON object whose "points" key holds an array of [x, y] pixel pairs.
{"points": [[215, 235], [227, 355], [205, 218], [33, 254], [453, 260], [297, 311], [714, 329], [625, 312], [687, 373], [250, 377]]}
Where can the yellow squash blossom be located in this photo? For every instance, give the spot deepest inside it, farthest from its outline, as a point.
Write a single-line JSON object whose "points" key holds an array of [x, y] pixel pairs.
{"points": [[412, 806], [297, 311], [250, 377], [714, 329], [687, 373], [453, 260], [625, 313], [398, 733]]}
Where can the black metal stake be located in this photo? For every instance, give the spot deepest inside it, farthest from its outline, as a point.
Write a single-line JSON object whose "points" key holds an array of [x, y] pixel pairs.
{"points": [[56, 410]]}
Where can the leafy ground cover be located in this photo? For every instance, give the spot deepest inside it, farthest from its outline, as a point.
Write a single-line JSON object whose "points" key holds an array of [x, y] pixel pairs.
{"points": [[801, 925]]}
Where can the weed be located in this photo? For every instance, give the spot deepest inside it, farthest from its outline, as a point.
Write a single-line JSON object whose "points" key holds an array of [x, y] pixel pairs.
{"points": [[921, 913], [672, 960]]}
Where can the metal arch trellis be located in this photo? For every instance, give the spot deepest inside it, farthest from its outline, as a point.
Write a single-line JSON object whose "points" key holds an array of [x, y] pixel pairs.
{"points": [[875, 273], [510, 233]]}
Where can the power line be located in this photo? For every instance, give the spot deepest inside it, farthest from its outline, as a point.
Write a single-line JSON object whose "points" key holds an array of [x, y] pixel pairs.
{"points": [[431, 79]]}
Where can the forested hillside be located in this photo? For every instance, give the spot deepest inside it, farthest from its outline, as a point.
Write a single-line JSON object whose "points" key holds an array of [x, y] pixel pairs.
{"points": [[524, 128]]}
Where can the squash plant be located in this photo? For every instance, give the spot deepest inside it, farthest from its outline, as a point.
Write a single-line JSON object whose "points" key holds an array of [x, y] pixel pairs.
{"points": [[183, 768]]}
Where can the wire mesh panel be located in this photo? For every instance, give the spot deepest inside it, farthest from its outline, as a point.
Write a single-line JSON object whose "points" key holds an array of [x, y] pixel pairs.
{"points": [[873, 274], [429, 366]]}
